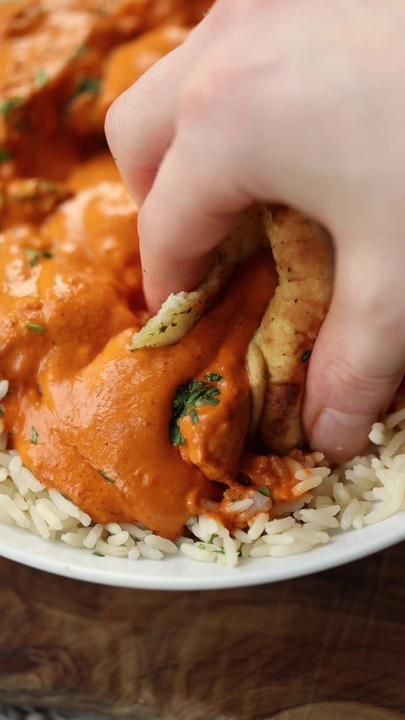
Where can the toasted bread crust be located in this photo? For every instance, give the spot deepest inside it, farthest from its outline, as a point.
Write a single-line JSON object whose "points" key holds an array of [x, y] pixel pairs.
{"points": [[304, 262]]}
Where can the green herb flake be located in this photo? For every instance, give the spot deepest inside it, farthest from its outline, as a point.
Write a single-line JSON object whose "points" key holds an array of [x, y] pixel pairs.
{"points": [[89, 86], [305, 356], [194, 416], [107, 477], [98, 554], [34, 436], [5, 156], [191, 395], [34, 256], [35, 327], [8, 106], [265, 491], [2, 412], [212, 538], [214, 377], [41, 79], [176, 438]]}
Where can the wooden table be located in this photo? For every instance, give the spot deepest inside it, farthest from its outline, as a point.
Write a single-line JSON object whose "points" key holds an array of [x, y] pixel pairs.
{"points": [[327, 647]]}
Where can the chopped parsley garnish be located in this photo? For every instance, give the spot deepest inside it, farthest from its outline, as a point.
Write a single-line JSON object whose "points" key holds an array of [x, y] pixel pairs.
{"points": [[34, 436], [1, 412], [194, 416], [98, 554], [212, 538], [88, 85], [202, 546], [107, 477], [265, 491], [214, 377], [35, 327], [34, 256], [8, 106], [190, 396], [5, 156], [41, 79]]}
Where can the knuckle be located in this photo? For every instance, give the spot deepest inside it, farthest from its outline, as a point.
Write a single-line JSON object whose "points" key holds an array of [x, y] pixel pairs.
{"points": [[112, 122], [209, 90], [225, 11], [126, 114]]}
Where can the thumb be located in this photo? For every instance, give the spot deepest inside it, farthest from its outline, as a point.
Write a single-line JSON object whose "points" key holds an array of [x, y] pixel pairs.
{"points": [[358, 360]]}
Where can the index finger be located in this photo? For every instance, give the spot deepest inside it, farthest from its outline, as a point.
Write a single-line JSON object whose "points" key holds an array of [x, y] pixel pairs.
{"points": [[194, 201], [140, 124]]}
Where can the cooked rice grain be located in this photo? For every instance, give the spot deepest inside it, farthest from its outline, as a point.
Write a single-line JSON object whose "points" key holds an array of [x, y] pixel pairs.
{"points": [[4, 387], [367, 490]]}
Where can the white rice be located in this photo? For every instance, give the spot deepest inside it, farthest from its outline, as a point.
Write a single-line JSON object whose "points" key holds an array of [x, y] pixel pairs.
{"points": [[148, 552], [4, 387], [162, 544], [241, 505], [367, 490]]}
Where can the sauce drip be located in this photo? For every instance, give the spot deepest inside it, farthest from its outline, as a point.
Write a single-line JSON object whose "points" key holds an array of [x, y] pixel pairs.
{"points": [[102, 426]]}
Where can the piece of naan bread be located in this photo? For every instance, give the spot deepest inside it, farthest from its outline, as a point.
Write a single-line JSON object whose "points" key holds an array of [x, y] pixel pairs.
{"points": [[278, 354], [180, 312]]}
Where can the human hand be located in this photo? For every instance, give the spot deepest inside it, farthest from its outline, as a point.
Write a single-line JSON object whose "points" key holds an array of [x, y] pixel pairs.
{"points": [[299, 102]]}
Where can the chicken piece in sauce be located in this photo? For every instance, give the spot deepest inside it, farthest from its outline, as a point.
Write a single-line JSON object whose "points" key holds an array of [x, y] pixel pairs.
{"points": [[54, 55], [89, 416], [100, 411]]}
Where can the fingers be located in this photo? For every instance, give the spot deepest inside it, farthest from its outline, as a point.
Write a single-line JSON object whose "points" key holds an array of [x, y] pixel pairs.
{"points": [[359, 358], [182, 221], [176, 163], [196, 195], [140, 124]]}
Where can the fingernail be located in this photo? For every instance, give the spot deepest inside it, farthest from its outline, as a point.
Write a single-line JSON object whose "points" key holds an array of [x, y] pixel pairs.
{"points": [[341, 435]]}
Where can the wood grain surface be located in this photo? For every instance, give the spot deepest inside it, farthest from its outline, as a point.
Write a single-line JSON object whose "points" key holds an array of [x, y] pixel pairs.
{"points": [[326, 647]]}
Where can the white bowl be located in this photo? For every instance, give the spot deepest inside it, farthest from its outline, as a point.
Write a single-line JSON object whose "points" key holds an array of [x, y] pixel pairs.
{"points": [[179, 573]]}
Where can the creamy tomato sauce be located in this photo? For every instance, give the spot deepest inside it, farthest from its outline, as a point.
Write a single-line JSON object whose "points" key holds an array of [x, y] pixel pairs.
{"points": [[89, 416], [101, 413]]}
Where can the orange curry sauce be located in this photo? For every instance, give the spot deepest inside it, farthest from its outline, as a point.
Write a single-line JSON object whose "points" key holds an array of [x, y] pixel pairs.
{"points": [[100, 413], [90, 417]]}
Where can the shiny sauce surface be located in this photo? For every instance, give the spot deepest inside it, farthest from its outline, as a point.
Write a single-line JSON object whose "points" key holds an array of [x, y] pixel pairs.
{"points": [[90, 417]]}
